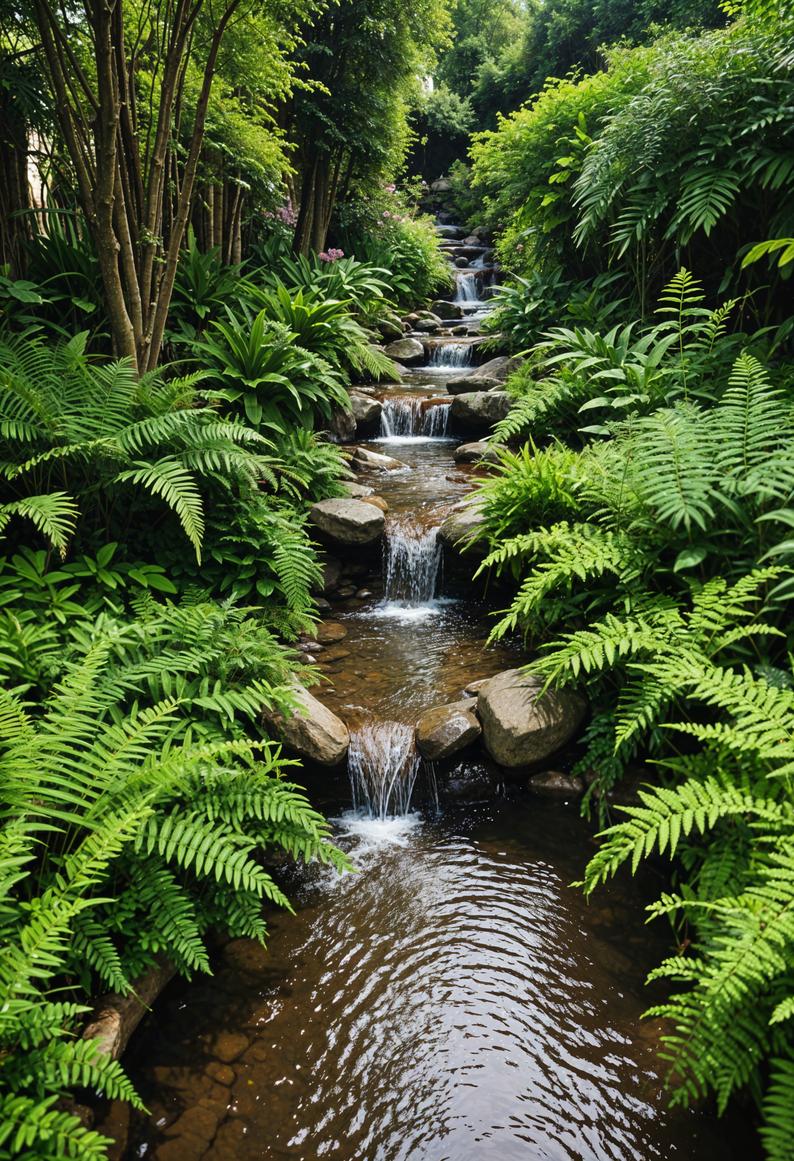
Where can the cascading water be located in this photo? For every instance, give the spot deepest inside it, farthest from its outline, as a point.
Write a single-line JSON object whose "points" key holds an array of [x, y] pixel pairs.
{"points": [[436, 421], [384, 766], [468, 291], [407, 417], [450, 356], [400, 417], [412, 563]]}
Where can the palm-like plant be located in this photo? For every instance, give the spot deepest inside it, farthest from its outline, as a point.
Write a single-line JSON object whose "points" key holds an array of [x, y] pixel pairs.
{"points": [[261, 368]]}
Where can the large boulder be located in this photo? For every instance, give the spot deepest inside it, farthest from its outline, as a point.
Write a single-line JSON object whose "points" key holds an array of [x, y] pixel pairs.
{"points": [[480, 410], [447, 310], [446, 729], [475, 453], [342, 426], [366, 411], [407, 351], [365, 460], [460, 529], [521, 728], [485, 378], [310, 729], [347, 523]]}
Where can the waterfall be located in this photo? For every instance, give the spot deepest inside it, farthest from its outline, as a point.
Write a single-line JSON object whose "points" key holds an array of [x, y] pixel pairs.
{"points": [[468, 291], [412, 562], [383, 765], [450, 356], [400, 417], [436, 421], [405, 417]]}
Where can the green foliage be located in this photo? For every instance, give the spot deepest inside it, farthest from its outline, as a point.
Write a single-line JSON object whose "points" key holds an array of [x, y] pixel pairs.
{"points": [[100, 427], [635, 164], [159, 838], [267, 377]]}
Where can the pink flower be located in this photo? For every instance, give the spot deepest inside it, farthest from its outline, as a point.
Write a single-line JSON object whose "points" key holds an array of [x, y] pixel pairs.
{"points": [[390, 188], [386, 214], [332, 255]]}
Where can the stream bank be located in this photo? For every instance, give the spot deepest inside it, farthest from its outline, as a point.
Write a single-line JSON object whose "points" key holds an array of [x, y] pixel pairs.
{"points": [[456, 999]]}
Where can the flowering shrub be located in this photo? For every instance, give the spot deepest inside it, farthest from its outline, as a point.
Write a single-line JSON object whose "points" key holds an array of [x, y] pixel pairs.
{"points": [[384, 228], [331, 255]]}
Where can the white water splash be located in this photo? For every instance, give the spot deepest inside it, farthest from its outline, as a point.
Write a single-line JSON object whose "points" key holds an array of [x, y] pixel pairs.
{"points": [[405, 418], [412, 562], [436, 421], [450, 356], [384, 766], [468, 292]]}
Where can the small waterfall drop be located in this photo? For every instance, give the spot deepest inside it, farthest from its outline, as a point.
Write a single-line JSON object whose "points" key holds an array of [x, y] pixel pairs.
{"points": [[384, 766], [450, 356], [412, 563], [436, 421], [468, 291], [408, 417], [400, 417]]}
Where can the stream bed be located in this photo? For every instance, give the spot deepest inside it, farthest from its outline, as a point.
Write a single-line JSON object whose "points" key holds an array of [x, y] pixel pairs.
{"points": [[456, 999]]}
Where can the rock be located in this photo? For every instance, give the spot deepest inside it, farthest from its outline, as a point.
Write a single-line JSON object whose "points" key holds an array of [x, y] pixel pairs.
{"points": [[229, 1045], [462, 330], [469, 781], [346, 591], [311, 730], [378, 502], [555, 784], [407, 351], [472, 240], [332, 573], [460, 528], [357, 491], [444, 186], [333, 654], [366, 460], [429, 316], [519, 727], [344, 523], [342, 426], [390, 329], [364, 594], [222, 1073], [427, 326], [322, 605], [485, 378], [447, 310], [480, 409], [446, 729], [474, 687], [330, 631], [366, 411], [474, 453]]}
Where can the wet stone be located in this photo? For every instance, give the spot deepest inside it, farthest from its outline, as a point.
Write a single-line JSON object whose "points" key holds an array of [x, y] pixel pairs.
{"points": [[556, 784], [328, 632], [229, 1045]]}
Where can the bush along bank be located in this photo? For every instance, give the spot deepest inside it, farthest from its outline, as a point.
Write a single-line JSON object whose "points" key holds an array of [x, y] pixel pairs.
{"points": [[158, 569], [642, 508]]}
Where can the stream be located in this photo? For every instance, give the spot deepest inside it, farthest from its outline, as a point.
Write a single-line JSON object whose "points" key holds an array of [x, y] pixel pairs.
{"points": [[456, 999]]}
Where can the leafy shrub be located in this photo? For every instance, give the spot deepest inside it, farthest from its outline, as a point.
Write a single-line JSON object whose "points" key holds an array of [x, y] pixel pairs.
{"points": [[266, 377], [158, 839], [102, 430]]}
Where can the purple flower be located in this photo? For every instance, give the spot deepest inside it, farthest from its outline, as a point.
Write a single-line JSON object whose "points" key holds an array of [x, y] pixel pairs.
{"points": [[332, 255]]}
